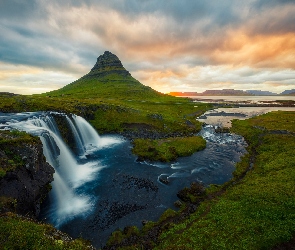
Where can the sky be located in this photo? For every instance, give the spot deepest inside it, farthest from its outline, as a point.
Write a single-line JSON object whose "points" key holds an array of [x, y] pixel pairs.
{"points": [[171, 45]]}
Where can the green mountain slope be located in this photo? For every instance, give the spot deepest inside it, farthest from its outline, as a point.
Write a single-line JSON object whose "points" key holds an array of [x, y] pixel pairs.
{"points": [[108, 79]]}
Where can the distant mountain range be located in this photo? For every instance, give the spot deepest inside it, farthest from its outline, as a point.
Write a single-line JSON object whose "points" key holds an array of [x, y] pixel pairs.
{"points": [[288, 92], [233, 92]]}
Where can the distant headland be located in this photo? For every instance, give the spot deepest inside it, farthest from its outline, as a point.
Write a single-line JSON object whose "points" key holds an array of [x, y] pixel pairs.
{"points": [[233, 92]]}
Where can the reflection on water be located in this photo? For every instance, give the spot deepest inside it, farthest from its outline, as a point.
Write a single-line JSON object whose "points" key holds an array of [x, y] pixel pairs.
{"points": [[222, 116], [251, 99]]}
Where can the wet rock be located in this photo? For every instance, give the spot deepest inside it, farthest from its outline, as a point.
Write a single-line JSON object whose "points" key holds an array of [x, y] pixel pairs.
{"points": [[222, 130], [164, 180], [178, 203], [109, 213], [193, 194], [29, 183], [144, 222]]}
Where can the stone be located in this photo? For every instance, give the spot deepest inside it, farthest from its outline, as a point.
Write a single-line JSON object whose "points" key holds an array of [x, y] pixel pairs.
{"points": [[27, 185]]}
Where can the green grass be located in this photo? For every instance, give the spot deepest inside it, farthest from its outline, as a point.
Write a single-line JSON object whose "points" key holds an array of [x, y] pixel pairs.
{"points": [[167, 149], [10, 142], [21, 233], [277, 120]]}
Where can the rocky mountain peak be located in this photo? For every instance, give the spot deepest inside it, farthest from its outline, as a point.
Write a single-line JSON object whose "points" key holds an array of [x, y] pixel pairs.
{"points": [[106, 64]]}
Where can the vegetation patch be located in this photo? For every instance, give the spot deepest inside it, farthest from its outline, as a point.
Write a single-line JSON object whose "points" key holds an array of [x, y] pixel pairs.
{"points": [[167, 149], [10, 142], [18, 232]]}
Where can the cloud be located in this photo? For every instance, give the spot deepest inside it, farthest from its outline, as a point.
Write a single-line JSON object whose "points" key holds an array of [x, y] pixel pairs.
{"points": [[165, 45], [219, 77], [30, 80]]}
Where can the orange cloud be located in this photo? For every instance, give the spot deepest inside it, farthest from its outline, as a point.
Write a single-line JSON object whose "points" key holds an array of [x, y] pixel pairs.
{"points": [[269, 51]]}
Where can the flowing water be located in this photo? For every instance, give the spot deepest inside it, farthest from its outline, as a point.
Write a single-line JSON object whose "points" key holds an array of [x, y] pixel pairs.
{"points": [[102, 187]]}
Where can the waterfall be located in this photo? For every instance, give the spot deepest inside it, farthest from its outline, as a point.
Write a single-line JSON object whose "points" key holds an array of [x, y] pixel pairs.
{"points": [[77, 137], [89, 136], [70, 174], [66, 203]]}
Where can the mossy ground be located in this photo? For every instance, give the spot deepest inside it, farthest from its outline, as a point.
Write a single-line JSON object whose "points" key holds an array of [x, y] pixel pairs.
{"points": [[167, 149], [18, 232], [256, 209], [10, 158]]}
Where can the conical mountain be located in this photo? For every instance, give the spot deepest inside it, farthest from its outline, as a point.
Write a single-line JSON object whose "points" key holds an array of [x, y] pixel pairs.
{"points": [[107, 79], [107, 64]]}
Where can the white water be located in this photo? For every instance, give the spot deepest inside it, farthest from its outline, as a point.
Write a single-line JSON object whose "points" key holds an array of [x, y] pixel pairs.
{"points": [[89, 136], [66, 200], [77, 137]]}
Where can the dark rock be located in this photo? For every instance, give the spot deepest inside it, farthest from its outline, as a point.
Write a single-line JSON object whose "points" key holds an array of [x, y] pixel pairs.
{"points": [[29, 183], [144, 222], [155, 116], [193, 194], [108, 213], [178, 203], [222, 130], [107, 64], [164, 180]]}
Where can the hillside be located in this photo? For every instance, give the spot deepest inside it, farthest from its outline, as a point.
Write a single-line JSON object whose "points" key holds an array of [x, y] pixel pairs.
{"points": [[107, 79]]}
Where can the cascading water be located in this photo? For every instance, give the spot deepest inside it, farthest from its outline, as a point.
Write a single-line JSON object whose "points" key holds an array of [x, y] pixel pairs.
{"points": [[66, 202], [89, 136], [77, 137]]}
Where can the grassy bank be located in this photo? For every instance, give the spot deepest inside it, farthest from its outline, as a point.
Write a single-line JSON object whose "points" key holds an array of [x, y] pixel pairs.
{"points": [[18, 232], [167, 149], [255, 210], [122, 113]]}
